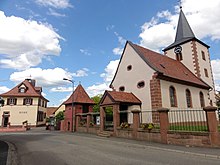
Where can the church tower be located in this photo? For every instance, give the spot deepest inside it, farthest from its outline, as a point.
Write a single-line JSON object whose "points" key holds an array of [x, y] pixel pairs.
{"points": [[192, 52]]}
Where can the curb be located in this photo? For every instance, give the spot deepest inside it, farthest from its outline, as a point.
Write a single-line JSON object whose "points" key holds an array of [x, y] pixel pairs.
{"points": [[12, 158]]}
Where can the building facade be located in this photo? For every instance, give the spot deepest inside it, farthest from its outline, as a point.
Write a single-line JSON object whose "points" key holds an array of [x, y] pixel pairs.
{"points": [[24, 103], [180, 79]]}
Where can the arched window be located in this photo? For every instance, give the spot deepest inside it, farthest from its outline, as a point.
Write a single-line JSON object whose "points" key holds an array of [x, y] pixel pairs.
{"points": [[188, 99], [202, 100], [173, 101]]}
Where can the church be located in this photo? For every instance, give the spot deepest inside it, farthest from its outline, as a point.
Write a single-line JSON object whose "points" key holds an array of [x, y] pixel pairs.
{"points": [[181, 78]]}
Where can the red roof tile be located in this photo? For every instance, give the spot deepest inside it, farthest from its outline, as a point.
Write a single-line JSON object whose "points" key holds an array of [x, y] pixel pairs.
{"points": [[167, 66], [50, 111], [122, 97], [79, 96], [30, 92]]}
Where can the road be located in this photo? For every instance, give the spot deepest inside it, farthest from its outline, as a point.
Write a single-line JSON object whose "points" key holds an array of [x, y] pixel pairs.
{"points": [[40, 147], [3, 152]]}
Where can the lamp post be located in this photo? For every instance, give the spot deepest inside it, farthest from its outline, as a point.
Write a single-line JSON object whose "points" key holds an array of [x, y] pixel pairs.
{"points": [[73, 114]]}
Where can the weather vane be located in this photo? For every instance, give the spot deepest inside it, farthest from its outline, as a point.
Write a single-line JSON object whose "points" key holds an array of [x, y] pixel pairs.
{"points": [[180, 4]]}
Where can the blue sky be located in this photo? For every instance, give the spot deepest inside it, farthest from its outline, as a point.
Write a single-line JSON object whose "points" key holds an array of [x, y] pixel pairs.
{"points": [[83, 40]]}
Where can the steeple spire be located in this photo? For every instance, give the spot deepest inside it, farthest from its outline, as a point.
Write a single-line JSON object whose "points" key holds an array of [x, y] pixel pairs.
{"points": [[184, 30]]}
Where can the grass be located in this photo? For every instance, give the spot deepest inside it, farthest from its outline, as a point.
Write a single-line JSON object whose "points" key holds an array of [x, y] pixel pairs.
{"points": [[189, 128]]}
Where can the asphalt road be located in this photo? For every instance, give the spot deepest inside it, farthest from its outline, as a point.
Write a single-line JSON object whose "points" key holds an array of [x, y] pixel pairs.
{"points": [[3, 152], [40, 147]]}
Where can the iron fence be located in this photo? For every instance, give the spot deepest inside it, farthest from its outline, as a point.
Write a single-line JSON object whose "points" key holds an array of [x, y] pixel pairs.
{"points": [[188, 120]]}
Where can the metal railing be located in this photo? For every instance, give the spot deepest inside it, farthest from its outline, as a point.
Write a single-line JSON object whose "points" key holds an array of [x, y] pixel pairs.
{"points": [[188, 120]]}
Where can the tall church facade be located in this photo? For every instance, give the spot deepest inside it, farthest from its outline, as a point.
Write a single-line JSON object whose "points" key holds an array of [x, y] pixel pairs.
{"points": [[180, 79]]}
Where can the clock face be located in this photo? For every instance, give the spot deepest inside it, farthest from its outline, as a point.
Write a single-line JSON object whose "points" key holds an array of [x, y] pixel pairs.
{"points": [[178, 49]]}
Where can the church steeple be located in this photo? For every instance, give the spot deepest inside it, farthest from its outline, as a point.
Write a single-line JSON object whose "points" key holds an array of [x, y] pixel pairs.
{"points": [[184, 30]]}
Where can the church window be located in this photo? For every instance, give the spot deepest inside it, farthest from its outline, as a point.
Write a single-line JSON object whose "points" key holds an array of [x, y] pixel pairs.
{"points": [[173, 100], [122, 88], [202, 100], [141, 84], [179, 57], [206, 73], [188, 98], [129, 67], [203, 55]]}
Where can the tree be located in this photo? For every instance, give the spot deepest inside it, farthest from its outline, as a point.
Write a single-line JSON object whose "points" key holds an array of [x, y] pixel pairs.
{"points": [[96, 99], [59, 116]]}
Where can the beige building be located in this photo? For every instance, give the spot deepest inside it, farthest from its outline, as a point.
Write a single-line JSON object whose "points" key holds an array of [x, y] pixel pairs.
{"points": [[24, 103], [180, 79]]}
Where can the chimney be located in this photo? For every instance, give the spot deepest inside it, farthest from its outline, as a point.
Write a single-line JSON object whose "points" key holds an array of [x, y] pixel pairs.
{"points": [[31, 81]]}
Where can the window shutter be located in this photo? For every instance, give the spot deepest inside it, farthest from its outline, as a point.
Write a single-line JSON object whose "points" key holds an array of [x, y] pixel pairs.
{"points": [[15, 101], [24, 101], [31, 102], [7, 101]]}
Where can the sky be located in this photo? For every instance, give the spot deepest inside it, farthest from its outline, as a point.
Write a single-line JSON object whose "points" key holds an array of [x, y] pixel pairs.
{"points": [[82, 40]]}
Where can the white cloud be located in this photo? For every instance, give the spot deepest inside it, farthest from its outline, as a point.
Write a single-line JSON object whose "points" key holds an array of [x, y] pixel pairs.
{"points": [[198, 16], [85, 51], [59, 4], [4, 89], [24, 43], [81, 73], [61, 89], [107, 78], [55, 13], [44, 78], [97, 89], [118, 50], [216, 73]]}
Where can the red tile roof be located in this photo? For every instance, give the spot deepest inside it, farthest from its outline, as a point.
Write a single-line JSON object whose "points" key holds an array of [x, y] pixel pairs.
{"points": [[168, 67], [121, 97], [79, 96], [30, 91], [50, 111]]}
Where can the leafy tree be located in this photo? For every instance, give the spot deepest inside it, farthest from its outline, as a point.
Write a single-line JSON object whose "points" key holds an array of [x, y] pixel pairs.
{"points": [[96, 99], [59, 116]]}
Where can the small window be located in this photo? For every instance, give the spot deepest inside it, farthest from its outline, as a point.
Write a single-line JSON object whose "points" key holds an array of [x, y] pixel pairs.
{"points": [[202, 100], [188, 99], [11, 101], [27, 101], [129, 67], [173, 100], [203, 55], [179, 56], [141, 84], [122, 88], [22, 90], [206, 73]]}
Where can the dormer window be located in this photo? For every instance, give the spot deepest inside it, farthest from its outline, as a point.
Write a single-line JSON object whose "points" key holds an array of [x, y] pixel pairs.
{"points": [[22, 90]]}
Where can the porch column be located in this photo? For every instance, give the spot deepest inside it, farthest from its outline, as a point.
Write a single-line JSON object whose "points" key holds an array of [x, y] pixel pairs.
{"points": [[164, 123], [212, 125], [136, 122], [88, 120], [116, 118], [102, 118]]}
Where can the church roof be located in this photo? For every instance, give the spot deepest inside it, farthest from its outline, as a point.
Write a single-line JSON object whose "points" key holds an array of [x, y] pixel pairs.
{"points": [[184, 32], [120, 97], [31, 90], [79, 96], [167, 68]]}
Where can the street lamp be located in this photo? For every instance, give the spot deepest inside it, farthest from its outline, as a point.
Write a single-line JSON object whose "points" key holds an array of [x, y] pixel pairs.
{"points": [[73, 114]]}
